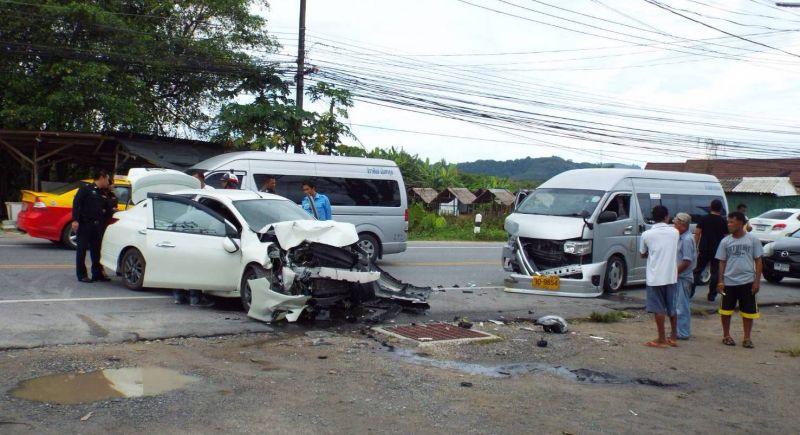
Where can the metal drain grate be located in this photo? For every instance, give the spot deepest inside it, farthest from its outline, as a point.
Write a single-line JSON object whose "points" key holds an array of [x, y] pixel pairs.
{"points": [[436, 333]]}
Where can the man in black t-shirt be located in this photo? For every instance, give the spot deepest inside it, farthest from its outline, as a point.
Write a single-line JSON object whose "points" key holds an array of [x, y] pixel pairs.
{"points": [[711, 229]]}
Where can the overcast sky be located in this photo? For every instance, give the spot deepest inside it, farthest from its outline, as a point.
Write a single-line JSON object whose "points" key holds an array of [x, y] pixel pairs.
{"points": [[760, 89]]}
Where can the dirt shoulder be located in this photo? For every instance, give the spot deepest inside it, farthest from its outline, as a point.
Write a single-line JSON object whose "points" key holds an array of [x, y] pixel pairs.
{"points": [[597, 378]]}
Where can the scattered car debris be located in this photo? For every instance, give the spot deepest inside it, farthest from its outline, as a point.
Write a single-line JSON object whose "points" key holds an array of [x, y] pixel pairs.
{"points": [[596, 337], [525, 328], [466, 324], [496, 322], [542, 342], [466, 384], [467, 291], [87, 416], [631, 411], [552, 323]]}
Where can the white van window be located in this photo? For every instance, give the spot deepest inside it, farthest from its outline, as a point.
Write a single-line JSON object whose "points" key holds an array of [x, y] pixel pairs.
{"points": [[621, 205], [215, 180], [561, 202], [696, 205], [341, 191]]}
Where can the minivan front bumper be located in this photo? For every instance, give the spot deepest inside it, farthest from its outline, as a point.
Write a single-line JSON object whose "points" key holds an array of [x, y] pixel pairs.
{"points": [[577, 280]]}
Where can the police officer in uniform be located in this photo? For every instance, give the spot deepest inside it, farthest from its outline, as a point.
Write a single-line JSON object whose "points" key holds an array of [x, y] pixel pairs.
{"points": [[90, 212]]}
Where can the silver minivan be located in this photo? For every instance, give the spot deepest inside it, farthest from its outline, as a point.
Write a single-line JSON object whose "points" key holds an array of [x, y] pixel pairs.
{"points": [[578, 233], [368, 193]]}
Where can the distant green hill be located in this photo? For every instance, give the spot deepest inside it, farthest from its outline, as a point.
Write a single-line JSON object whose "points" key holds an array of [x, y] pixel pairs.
{"points": [[533, 169]]}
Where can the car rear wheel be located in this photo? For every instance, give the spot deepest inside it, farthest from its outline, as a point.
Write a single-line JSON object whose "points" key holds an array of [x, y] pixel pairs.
{"points": [[246, 295], [772, 277], [369, 244], [132, 268], [615, 275], [68, 237]]}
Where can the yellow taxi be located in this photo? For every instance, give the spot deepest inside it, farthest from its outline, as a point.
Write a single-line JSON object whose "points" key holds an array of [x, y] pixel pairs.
{"points": [[47, 215]]}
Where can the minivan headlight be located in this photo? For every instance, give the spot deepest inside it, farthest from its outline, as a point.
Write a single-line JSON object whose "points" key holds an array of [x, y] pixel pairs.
{"points": [[578, 247]]}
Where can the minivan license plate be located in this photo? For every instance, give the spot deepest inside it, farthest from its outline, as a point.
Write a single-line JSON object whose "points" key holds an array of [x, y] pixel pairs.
{"points": [[781, 267], [546, 282]]}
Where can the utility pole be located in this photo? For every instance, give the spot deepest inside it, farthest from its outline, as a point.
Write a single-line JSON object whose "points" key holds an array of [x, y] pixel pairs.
{"points": [[301, 57]]}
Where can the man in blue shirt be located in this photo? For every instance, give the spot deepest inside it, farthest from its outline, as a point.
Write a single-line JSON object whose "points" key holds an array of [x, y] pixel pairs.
{"points": [[320, 208]]}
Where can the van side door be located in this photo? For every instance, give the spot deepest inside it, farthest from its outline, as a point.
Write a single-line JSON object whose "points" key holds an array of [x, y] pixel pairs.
{"points": [[620, 235]]}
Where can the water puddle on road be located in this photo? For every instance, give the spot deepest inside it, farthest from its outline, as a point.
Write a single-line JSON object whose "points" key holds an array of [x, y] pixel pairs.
{"points": [[74, 388], [507, 370]]}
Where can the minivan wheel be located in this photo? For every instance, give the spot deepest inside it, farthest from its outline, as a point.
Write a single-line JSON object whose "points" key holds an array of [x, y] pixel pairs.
{"points": [[245, 294], [133, 267], [615, 275], [369, 244], [68, 237], [705, 276]]}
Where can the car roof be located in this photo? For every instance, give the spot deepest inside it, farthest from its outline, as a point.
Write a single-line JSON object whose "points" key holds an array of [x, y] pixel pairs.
{"points": [[607, 178]]}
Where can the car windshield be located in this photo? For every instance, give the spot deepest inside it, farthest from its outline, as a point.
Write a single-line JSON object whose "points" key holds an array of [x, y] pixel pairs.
{"points": [[776, 214], [259, 213], [561, 202], [67, 187]]}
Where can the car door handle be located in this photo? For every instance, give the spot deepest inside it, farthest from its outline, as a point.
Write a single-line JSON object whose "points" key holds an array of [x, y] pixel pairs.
{"points": [[165, 245], [142, 231], [629, 230]]}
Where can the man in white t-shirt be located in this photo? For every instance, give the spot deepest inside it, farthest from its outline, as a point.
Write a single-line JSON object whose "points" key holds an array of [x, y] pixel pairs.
{"points": [[660, 246]]}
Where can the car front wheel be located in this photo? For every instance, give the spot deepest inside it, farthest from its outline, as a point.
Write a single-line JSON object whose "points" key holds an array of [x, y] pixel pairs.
{"points": [[772, 277], [132, 268], [615, 275], [246, 295]]}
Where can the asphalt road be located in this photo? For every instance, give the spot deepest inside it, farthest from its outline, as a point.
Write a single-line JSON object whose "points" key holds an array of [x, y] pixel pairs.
{"points": [[41, 303]]}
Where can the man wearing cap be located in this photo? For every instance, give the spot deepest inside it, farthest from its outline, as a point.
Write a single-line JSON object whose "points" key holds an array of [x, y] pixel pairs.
{"points": [[686, 265]]}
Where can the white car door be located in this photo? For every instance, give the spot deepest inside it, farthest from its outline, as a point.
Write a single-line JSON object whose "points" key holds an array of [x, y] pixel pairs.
{"points": [[186, 247]]}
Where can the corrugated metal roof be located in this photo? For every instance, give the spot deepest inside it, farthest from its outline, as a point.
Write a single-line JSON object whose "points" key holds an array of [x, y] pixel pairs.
{"points": [[778, 186], [728, 184]]}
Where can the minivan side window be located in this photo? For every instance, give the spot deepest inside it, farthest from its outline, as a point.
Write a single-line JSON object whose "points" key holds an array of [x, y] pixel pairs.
{"points": [[341, 191], [621, 205], [215, 180], [696, 205]]}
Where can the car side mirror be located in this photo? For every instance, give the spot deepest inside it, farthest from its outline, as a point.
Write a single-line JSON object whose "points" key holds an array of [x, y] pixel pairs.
{"points": [[230, 245], [231, 231], [607, 216]]}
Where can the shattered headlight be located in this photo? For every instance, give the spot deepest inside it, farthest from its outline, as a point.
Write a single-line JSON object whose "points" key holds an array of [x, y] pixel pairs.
{"points": [[578, 247]]}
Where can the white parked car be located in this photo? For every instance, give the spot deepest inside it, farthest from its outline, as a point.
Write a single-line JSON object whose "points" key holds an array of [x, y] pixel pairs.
{"points": [[775, 224], [225, 241]]}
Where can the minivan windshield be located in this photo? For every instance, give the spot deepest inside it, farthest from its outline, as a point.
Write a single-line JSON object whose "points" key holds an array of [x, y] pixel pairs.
{"points": [[261, 212], [561, 202]]}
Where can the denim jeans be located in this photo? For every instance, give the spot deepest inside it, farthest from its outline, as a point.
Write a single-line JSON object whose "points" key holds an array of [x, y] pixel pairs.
{"points": [[684, 308]]}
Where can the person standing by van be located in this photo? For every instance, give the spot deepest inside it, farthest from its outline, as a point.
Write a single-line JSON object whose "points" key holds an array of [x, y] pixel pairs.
{"points": [[316, 204], [687, 257], [739, 256], [711, 229], [660, 246]]}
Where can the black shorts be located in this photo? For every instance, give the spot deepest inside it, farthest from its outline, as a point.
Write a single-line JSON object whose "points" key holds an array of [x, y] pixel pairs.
{"points": [[744, 297]]}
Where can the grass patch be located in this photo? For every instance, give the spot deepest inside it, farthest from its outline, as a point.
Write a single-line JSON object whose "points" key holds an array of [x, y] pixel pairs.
{"points": [[609, 317], [791, 351]]}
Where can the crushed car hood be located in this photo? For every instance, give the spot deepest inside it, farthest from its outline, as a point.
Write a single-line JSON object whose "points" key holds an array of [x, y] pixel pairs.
{"points": [[537, 226], [292, 233], [157, 180]]}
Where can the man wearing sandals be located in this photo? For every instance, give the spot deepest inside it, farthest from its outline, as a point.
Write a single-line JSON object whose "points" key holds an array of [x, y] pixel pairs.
{"points": [[660, 246], [739, 256]]}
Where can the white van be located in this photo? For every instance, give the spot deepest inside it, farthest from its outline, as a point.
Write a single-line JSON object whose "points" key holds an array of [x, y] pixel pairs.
{"points": [[578, 233], [368, 193]]}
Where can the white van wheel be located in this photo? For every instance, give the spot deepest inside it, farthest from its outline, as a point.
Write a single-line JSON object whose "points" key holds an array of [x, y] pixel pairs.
{"points": [[615, 275], [369, 245]]}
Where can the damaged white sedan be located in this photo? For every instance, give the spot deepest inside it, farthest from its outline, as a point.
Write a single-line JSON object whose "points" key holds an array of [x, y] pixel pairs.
{"points": [[258, 247]]}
